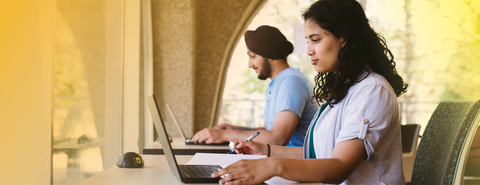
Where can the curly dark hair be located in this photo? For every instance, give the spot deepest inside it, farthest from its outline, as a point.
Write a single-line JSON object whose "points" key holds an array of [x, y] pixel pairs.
{"points": [[364, 50]]}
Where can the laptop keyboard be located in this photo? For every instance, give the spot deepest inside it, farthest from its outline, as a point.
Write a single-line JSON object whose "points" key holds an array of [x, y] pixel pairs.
{"points": [[198, 170]]}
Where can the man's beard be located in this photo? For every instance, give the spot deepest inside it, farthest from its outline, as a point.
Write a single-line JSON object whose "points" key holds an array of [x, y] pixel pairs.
{"points": [[266, 70]]}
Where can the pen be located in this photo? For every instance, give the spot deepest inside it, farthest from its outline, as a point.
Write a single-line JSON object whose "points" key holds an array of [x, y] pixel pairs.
{"points": [[248, 139]]}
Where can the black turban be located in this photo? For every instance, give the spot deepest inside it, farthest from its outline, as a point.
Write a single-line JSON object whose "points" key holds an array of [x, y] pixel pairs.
{"points": [[268, 42]]}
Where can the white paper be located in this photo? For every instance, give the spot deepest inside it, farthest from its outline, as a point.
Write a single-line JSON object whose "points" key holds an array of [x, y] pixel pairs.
{"points": [[224, 160]]}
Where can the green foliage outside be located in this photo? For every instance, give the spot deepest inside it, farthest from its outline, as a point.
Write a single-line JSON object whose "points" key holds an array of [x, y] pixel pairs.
{"points": [[462, 76]]}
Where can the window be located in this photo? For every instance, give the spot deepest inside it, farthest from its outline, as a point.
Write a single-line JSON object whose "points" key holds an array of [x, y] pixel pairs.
{"points": [[244, 96], [435, 44], [87, 88]]}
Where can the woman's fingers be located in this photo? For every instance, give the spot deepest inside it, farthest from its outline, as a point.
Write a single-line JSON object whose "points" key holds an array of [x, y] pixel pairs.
{"points": [[243, 172]]}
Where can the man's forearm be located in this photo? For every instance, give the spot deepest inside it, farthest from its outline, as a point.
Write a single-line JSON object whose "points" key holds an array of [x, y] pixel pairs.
{"points": [[237, 135], [264, 137], [248, 128]]}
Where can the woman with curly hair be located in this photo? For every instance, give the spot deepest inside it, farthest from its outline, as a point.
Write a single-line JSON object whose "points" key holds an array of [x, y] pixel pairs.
{"points": [[355, 136]]}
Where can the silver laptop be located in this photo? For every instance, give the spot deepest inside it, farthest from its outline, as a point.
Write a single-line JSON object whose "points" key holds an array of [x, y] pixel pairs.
{"points": [[185, 173], [189, 141]]}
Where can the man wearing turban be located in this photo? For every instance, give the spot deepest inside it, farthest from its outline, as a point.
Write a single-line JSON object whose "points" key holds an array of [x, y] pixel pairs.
{"points": [[288, 109]]}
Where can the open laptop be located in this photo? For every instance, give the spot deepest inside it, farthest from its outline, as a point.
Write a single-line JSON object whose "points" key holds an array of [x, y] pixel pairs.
{"points": [[189, 141], [185, 173]]}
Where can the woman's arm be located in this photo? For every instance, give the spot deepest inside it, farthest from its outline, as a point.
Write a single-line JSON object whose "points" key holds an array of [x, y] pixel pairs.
{"points": [[345, 158], [256, 148]]}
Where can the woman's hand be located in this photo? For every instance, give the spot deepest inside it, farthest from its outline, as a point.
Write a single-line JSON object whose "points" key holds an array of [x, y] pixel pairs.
{"points": [[248, 171], [251, 147]]}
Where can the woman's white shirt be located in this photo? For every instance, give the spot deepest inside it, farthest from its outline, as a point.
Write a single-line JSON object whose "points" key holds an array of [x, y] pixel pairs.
{"points": [[370, 112]]}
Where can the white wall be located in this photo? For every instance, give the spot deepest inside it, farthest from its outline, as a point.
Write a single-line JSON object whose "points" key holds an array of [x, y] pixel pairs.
{"points": [[26, 91]]}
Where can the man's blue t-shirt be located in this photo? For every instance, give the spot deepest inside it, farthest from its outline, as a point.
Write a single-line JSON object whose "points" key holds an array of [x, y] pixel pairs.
{"points": [[290, 90]]}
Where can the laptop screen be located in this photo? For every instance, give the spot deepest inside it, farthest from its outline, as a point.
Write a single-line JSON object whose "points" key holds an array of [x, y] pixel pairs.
{"points": [[162, 135], [176, 123]]}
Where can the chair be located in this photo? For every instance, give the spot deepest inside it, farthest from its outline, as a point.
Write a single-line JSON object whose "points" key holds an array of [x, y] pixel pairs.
{"points": [[445, 143], [410, 135]]}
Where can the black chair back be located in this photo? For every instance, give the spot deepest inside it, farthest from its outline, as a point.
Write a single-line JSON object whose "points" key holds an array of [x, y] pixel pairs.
{"points": [[441, 155]]}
